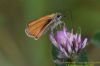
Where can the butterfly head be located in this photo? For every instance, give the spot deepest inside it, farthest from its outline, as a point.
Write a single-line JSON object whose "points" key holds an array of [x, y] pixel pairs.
{"points": [[55, 15]]}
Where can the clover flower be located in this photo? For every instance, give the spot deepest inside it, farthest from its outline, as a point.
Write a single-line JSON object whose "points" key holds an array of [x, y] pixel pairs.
{"points": [[67, 42]]}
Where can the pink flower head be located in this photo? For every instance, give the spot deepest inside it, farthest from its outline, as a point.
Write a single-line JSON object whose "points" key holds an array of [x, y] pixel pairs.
{"points": [[67, 42]]}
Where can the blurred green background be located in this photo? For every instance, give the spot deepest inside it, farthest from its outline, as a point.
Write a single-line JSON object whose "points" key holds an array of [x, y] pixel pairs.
{"points": [[16, 49]]}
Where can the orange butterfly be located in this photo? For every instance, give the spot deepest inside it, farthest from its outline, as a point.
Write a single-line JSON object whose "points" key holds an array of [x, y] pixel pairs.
{"points": [[36, 28]]}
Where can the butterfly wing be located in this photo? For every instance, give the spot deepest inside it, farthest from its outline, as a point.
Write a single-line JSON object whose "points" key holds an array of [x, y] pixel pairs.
{"points": [[36, 28]]}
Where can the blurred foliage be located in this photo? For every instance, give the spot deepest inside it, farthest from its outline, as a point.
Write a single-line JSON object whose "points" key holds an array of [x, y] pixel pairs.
{"points": [[79, 30], [96, 39], [16, 49]]}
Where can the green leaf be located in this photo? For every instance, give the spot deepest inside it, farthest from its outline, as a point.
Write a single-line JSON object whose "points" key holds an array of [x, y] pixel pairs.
{"points": [[82, 58], [55, 53], [96, 39]]}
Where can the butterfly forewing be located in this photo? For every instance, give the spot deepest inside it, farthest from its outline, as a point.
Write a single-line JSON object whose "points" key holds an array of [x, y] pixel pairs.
{"points": [[36, 28]]}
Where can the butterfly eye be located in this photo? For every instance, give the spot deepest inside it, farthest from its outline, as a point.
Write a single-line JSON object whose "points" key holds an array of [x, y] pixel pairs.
{"points": [[58, 15]]}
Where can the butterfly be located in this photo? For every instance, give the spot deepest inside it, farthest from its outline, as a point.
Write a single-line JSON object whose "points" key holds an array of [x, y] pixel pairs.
{"points": [[36, 28]]}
